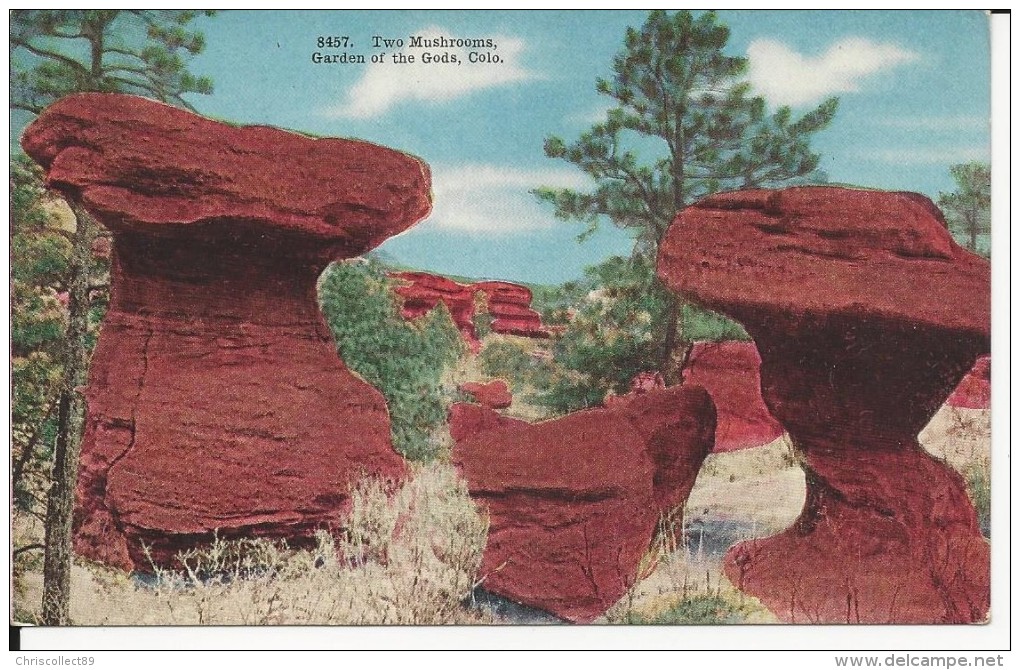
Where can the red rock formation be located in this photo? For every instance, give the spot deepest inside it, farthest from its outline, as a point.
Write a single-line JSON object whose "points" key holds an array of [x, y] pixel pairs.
{"points": [[573, 502], [509, 304], [867, 315], [216, 400], [729, 371], [423, 291], [494, 395], [975, 391], [467, 420]]}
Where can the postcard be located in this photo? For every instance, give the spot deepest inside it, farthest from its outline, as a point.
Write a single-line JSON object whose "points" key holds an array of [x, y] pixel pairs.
{"points": [[482, 319]]}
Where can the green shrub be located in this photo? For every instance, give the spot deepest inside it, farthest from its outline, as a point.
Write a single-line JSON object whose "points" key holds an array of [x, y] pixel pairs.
{"points": [[404, 360], [617, 329], [979, 482], [703, 324], [703, 609]]}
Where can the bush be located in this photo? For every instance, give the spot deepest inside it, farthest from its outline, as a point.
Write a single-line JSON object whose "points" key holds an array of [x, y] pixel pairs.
{"points": [[510, 361], [408, 556], [404, 360], [699, 609], [617, 330]]}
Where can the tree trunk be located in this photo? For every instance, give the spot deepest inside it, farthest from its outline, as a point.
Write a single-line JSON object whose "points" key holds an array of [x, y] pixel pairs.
{"points": [[675, 347], [70, 414]]}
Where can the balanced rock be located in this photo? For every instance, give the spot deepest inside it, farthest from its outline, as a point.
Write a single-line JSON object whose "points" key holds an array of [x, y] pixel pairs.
{"points": [[216, 400], [867, 315], [494, 395], [730, 372], [574, 502]]}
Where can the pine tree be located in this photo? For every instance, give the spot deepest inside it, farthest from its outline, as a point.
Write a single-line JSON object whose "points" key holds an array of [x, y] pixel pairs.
{"points": [[968, 208], [55, 53], [683, 125]]}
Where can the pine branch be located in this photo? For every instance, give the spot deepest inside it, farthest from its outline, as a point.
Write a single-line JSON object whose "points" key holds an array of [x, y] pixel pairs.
{"points": [[44, 53]]}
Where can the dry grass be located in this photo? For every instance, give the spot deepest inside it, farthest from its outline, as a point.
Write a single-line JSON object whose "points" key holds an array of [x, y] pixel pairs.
{"points": [[678, 590], [412, 557], [407, 558]]}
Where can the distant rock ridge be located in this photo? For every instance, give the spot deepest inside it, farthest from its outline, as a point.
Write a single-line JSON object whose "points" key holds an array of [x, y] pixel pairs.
{"points": [[509, 304]]}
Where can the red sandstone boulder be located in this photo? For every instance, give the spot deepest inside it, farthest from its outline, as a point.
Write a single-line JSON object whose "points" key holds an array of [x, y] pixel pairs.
{"points": [[867, 315], [216, 400], [494, 395], [729, 371], [573, 502], [466, 420]]}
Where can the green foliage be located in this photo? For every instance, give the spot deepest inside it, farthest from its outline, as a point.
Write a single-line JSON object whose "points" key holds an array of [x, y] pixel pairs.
{"points": [[683, 125], [979, 484], [673, 87], [968, 208], [698, 609], [404, 360], [38, 265], [523, 371], [701, 324], [57, 52], [617, 330]]}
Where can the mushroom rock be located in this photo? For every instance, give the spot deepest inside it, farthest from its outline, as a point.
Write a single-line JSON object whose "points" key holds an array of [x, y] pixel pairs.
{"points": [[494, 395], [423, 291], [975, 391], [729, 371], [867, 315], [216, 399], [574, 502]]}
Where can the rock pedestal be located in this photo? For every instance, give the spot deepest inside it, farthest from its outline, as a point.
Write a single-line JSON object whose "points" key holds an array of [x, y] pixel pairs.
{"points": [[573, 502], [867, 315], [216, 400]]}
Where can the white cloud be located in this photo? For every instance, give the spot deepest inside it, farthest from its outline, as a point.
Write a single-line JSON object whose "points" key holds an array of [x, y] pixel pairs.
{"points": [[386, 84], [928, 156], [786, 77], [495, 200]]}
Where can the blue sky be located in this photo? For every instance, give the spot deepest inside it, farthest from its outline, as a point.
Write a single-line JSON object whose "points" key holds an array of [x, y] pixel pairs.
{"points": [[914, 91]]}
